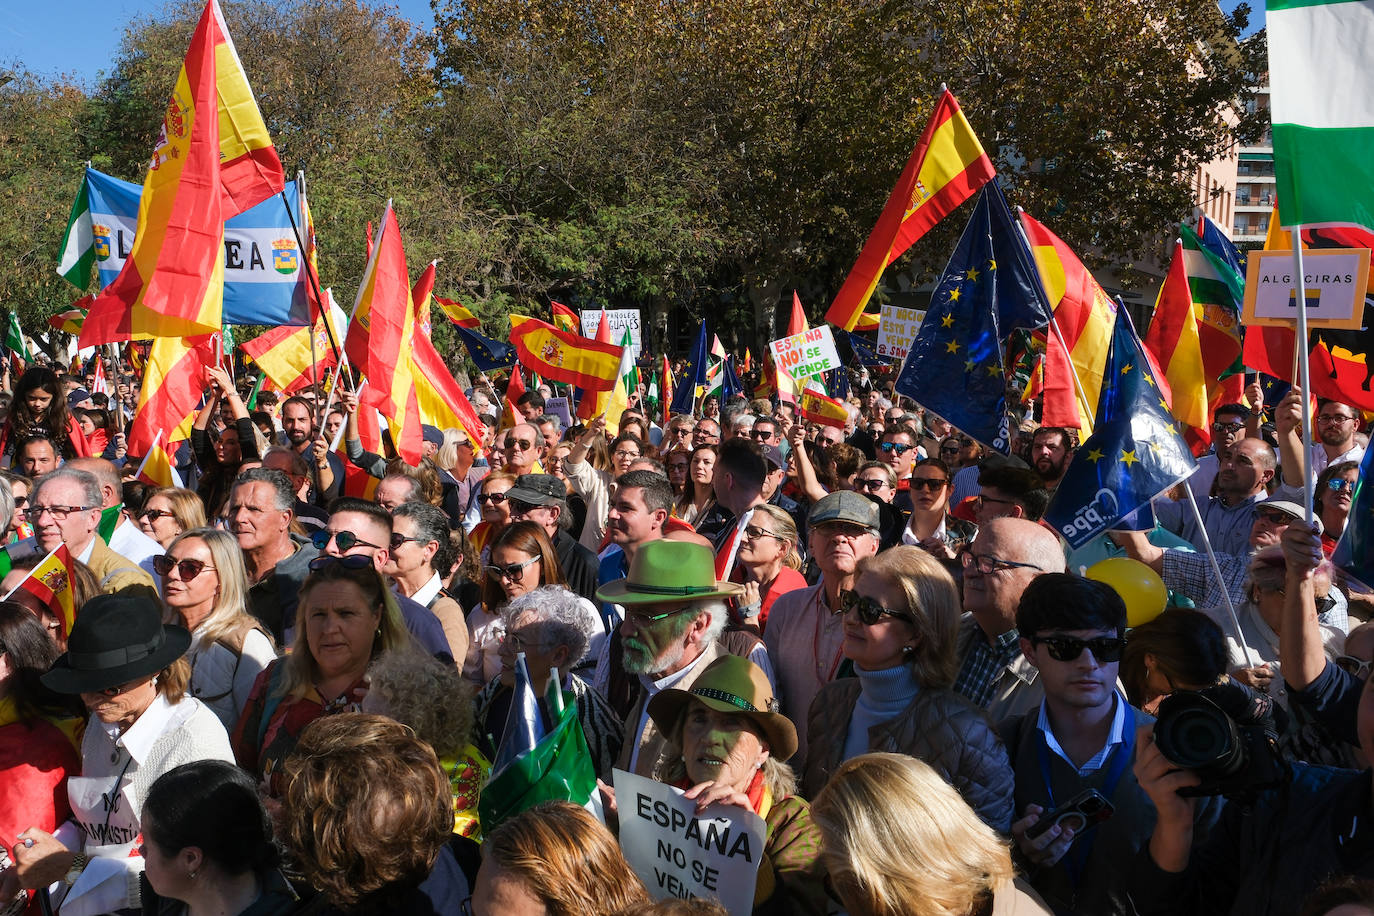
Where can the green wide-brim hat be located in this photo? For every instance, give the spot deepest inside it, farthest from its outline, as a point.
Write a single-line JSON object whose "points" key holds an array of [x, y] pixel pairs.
{"points": [[668, 572]]}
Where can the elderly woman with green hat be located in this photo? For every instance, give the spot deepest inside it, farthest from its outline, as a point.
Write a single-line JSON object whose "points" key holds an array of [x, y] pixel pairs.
{"points": [[674, 613], [727, 744], [127, 667]]}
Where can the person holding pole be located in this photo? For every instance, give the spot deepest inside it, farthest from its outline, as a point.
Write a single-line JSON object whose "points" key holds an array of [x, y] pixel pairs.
{"points": [[1244, 472]]}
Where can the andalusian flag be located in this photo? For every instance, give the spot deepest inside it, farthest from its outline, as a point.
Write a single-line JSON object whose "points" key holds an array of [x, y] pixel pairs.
{"points": [[1216, 281], [1173, 340], [14, 338], [71, 320], [562, 356], [51, 583], [626, 382], [214, 160], [947, 167], [77, 255], [1319, 69]]}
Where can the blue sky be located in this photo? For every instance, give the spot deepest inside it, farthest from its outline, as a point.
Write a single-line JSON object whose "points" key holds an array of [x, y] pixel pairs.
{"points": [[81, 36]]}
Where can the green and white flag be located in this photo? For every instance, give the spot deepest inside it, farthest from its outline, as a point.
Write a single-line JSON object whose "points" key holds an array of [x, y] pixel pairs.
{"points": [[78, 244], [14, 338], [1320, 71]]}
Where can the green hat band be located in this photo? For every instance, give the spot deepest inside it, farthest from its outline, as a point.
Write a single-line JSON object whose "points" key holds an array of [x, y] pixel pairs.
{"points": [[668, 589], [712, 693]]}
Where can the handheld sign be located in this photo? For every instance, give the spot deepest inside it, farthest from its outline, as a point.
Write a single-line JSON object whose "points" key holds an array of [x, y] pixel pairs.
{"points": [[897, 328], [617, 320], [678, 853], [558, 407], [1335, 281], [806, 354]]}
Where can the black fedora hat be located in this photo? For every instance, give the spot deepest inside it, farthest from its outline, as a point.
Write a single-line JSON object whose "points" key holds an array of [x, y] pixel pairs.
{"points": [[115, 640]]}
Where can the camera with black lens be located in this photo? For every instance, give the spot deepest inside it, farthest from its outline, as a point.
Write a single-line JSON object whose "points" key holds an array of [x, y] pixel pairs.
{"points": [[1226, 735]]}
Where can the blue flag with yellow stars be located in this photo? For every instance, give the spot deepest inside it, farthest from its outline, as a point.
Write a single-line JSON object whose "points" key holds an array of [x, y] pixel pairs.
{"points": [[863, 351], [954, 366], [486, 353], [1134, 454], [693, 374], [1355, 550]]}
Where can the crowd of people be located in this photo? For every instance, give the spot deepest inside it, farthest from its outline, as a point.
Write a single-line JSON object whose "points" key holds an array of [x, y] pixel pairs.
{"points": [[286, 682]]}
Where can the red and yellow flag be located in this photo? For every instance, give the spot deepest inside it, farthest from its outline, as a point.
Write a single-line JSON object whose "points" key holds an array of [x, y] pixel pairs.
{"points": [[1174, 341], [1085, 316], [214, 159], [51, 583], [822, 409], [515, 390], [591, 404], [458, 313], [868, 321], [564, 318], [946, 168], [564, 357], [441, 401], [174, 379], [71, 320], [284, 354], [157, 469]]}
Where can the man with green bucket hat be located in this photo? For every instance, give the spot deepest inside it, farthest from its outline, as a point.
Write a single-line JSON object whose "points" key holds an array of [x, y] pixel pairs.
{"points": [[674, 612]]}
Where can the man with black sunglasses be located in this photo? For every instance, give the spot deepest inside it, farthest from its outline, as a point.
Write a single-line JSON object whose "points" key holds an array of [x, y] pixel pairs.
{"points": [[1082, 736]]}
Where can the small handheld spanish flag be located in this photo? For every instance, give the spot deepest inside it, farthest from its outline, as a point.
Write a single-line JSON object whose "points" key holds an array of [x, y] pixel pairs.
{"points": [[51, 583]]}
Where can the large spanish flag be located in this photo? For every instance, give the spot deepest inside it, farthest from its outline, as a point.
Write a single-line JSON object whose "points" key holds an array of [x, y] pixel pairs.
{"points": [[1086, 317], [947, 167], [561, 356], [214, 159], [1175, 342]]}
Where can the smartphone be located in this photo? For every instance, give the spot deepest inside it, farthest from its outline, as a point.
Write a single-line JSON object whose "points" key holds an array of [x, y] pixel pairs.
{"points": [[1085, 809]]}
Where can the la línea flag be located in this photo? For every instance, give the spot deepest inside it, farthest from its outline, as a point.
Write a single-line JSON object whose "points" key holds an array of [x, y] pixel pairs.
{"points": [[458, 313], [1174, 341], [383, 311], [946, 168], [564, 318], [1086, 317], [157, 469], [562, 356], [174, 379], [438, 396], [1322, 135], [285, 354], [823, 409], [214, 159], [51, 583]]}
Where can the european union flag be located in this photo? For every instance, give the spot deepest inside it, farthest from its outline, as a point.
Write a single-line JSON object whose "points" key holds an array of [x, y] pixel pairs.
{"points": [[486, 353], [864, 353], [730, 384], [1020, 298], [954, 366], [1134, 454], [1355, 550], [693, 374]]}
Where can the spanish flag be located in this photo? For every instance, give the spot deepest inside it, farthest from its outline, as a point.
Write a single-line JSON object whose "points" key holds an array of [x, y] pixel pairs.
{"points": [[564, 318], [157, 469], [51, 583], [1175, 343], [947, 167], [441, 401], [214, 160], [591, 405], [561, 356], [867, 322], [174, 380], [458, 313], [285, 354], [823, 409]]}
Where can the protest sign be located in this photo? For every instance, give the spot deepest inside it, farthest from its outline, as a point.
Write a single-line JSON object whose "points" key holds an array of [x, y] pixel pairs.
{"points": [[806, 354], [679, 853], [897, 328], [558, 407], [1335, 282], [619, 320]]}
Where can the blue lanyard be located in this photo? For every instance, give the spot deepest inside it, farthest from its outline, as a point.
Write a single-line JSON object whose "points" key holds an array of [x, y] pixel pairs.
{"points": [[1121, 756]]}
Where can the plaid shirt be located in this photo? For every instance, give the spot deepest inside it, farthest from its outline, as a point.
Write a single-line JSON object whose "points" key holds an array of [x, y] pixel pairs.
{"points": [[979, 669]]}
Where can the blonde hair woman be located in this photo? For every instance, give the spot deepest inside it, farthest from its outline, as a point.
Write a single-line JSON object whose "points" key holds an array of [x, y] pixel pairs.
{"points": [[205, 589], [900, 624], [768, 553], [897, 840], [168, 512]]}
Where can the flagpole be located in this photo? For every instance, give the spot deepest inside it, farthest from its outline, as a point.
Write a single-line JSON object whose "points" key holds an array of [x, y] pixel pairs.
{"points": [[1300, 355], [305, 258], [1216, 571]]}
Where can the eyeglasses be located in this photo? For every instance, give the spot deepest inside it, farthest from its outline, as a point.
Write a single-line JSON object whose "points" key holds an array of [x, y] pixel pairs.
{"points": [[641, 620], [868, 610], [898, 447], [1228, 427], [978, 501], [625, 453], [519, 642], [152, 515], [928, 483], [987, 564], [871, 483], [398, 539], [754, 532], [33, 513], [20, 501], [497, 498], [1340, 485], [346, 540], [511, 571], [352, 561], [1274, 516], [187, 569], [1069, 648], [949, 449], [1333, 418], [523, 445], [1353, 666]]}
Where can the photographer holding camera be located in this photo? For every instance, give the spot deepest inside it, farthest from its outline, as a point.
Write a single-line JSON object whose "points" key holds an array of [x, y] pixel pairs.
{"points": [[1295, 826], [1081, 810]]}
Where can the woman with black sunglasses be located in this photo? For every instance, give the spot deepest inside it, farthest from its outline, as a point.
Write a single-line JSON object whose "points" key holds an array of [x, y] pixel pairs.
{"points": [[900, 626], [203, 586], [930, 525]]}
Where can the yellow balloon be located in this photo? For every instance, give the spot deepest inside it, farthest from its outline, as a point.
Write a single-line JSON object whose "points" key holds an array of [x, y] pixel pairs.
{"points": [[1138, 585]]}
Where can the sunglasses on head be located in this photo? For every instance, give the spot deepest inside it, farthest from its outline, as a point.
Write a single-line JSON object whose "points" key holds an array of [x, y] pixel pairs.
{"points": [[346, 540], [868, 610], [1069, 648], [187, 569]]}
